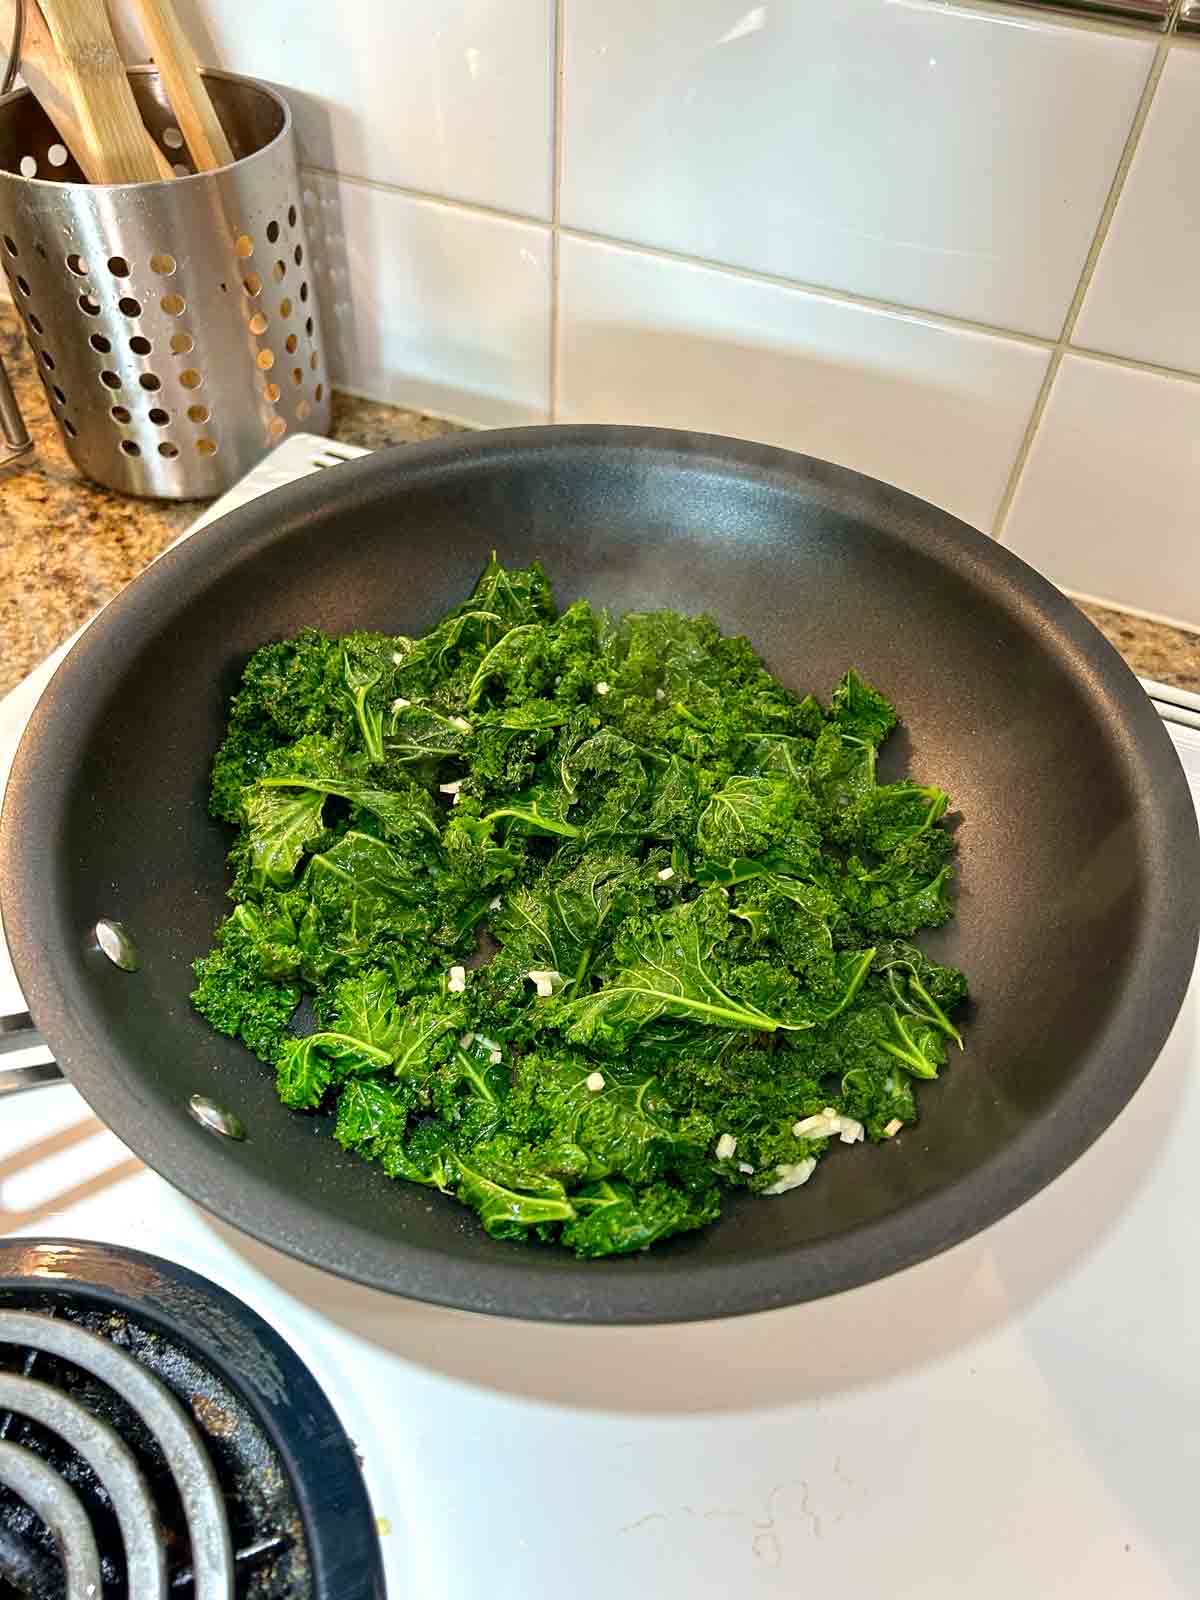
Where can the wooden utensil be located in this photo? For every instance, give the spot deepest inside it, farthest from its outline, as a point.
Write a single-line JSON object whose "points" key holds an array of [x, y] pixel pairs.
{"points": [[110, 130], [179, 70], [42, 71]]}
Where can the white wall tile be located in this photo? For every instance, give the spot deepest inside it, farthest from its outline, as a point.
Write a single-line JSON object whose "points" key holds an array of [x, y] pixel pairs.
{"points": [[1107, 504], [911, 150], [936, 410], [1142, 300], [453, 99], [432, 306]]}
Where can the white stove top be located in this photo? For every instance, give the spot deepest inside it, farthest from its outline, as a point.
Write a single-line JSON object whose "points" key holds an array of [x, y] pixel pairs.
{"points": [[1020, 1416]]}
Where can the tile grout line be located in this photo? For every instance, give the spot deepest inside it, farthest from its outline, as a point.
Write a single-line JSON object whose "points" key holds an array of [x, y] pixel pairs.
{"points": [[898, 308], [1157, 68], [1091, 261], [1057, 347], [447, 202], [1000, 520], [552, 393], [941, 319], [1132, 363]]}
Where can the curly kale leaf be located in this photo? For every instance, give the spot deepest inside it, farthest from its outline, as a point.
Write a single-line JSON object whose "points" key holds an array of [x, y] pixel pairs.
{"points": [[456, 640], [668, 970], [363, 1042], [239, 990], [606, 784], [475, 862], [744, 817], [675, 802], [406, 816], [777, 755], [613, 1218], [425, 1040], [564, 922], [365, 903], [307, 1066], [627, 1127], [679, 687], [509, 650], [507, 746], [372, 1030], [922, 988], [270, 933], [515, 594], [842, 770], [797, 919], [365, 1007], [288, 690], [365, 668], [541, 810], [909, 891], [370, 1116], [889, 816], [860, 711], [374, 1120], [281, 826], [692, 901], [420, 735], [509, 1199], [671, 969], [364, 876], [423, 1157], [245, 754]]}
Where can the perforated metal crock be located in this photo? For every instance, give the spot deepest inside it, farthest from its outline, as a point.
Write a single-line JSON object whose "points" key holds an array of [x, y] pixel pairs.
{"points": [[175, 323]]}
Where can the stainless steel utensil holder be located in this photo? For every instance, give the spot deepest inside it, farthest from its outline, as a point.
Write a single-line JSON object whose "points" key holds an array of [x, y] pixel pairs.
{"points": [[174, 324]]}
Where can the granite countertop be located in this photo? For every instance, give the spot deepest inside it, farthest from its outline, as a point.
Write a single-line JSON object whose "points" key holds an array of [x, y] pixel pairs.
{"points": [[67, 546]]}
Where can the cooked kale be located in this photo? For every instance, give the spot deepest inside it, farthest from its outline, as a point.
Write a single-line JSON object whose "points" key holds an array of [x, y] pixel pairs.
{"points": [[597, 920]]}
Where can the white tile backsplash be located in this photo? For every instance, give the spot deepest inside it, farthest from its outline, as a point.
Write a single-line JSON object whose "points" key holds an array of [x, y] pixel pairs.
{"points": [[936, 155], [1143, 299], [1107, 505], [920, 159], [431, 305], [452, 99], [939, 411]]}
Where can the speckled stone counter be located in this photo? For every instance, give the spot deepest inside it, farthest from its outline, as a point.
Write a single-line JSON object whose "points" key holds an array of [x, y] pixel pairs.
{"points": [[1152, 649], [67, 546]]}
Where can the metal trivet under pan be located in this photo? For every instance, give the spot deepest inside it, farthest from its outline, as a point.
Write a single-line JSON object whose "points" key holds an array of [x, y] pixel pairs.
{"points": [[158, 1439]]}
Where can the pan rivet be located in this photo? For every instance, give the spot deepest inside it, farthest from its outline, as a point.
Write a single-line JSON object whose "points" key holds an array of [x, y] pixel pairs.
{"points": [[215, 1118], [117, 944]]}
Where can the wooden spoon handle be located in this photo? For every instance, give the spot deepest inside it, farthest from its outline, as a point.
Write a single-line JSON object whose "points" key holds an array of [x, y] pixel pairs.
{"points": [[179, 69], [42, 72], [119, 150]]}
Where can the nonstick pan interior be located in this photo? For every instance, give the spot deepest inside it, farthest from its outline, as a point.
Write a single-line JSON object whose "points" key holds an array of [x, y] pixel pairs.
{"points": [[1078, 854]]}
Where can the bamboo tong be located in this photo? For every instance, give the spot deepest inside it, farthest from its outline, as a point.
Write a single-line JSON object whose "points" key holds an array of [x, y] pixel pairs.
{"points": [[71, 63]]}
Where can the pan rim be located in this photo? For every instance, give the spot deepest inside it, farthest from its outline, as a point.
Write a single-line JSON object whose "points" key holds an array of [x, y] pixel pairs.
{"points": [[1121, 1054]]}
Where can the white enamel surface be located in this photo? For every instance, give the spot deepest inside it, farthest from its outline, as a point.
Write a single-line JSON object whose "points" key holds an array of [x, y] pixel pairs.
{"points": [[452, 99], [1142, 301], [432, 306], [938, 411], [1107, 504], [930, 154]]}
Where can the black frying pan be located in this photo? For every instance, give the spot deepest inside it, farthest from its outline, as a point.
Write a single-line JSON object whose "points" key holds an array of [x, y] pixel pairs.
{"points": [[1079, 857]]}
